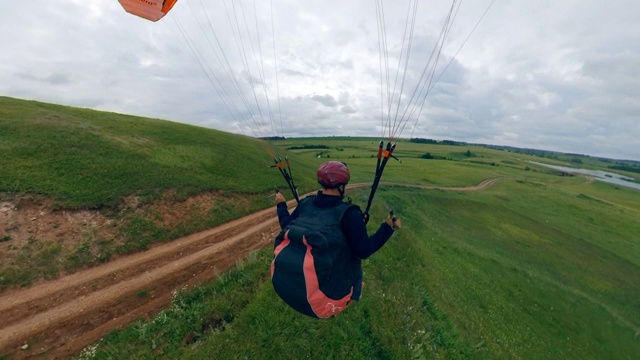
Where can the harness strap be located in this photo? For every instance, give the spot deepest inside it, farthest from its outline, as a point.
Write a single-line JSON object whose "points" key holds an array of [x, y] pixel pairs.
{"points": [[287, 176], [383, 158]]}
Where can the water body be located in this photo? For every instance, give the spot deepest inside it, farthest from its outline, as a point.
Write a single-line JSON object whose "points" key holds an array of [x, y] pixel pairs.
{"points": [[605, 176]]}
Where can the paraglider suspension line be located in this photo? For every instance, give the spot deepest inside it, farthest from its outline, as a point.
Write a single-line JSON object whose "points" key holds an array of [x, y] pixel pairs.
{"points": [[383, 158], [286, 173]]}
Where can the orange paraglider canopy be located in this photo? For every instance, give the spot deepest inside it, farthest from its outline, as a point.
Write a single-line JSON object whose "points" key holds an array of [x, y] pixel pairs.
{"points": [[152, 10]]}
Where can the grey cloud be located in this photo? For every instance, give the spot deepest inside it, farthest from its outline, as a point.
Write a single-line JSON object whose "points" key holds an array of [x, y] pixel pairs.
{"points": [[326, 100], [58, 79], [293, 73], [54, 78], [569, 83], [348, 110]]}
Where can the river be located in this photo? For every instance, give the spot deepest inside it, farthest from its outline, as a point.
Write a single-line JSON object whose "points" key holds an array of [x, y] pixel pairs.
{"points": [[605, 176]]}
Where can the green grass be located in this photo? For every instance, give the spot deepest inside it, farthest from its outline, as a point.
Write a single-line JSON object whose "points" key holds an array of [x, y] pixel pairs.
{"points": [[536, 267], [86, 159], [515, 271], [89, 159]]}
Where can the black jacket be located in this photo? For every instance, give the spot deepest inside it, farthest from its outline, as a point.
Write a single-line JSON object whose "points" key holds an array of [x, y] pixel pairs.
{"points": [[361, 244]]}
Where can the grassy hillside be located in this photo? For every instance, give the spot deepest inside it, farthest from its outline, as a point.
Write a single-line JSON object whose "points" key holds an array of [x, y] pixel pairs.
{"points": [[127, 170], [537, 266], [90, 159]]}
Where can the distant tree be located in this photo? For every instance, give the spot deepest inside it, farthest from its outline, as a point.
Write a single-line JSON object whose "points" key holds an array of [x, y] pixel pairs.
{"points": [[308, 147], [468, 153], [423, 141], [625, 168]]}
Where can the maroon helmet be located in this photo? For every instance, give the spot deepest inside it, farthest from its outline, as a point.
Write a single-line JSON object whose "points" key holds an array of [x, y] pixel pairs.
{"points": [[332, 174]]}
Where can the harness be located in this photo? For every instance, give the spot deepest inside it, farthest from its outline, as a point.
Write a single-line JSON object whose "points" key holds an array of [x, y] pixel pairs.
{"points": [[313, 269]]}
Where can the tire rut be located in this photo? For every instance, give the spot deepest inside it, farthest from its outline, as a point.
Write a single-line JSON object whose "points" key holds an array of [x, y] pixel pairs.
{"points": [[82, 305]]}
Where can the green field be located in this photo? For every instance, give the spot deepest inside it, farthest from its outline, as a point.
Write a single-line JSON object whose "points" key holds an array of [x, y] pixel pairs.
{"points": [[520, 270], [537, 266]]}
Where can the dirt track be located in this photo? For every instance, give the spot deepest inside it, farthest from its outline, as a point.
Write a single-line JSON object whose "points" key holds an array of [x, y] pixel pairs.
{"points": [[57, 319]]}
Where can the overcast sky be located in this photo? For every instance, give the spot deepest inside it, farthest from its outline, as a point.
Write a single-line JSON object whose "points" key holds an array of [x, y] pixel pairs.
{"points": [[558, 75]]}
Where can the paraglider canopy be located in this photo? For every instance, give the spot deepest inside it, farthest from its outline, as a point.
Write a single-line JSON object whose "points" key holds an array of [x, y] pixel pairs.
{"points": [[152, 10]]}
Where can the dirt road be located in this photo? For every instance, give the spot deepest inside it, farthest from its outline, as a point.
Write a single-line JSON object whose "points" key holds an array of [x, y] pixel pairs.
{"points": [[57, 319]]}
